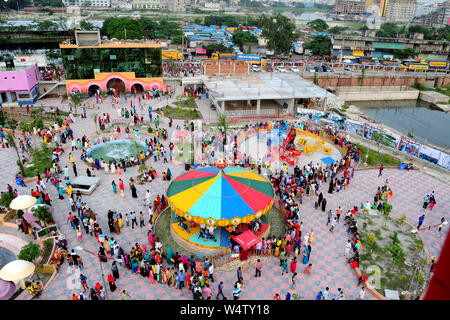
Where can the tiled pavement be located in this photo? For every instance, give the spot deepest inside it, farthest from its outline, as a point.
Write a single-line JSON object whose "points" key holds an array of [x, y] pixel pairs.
{"points": [[329, 267]]}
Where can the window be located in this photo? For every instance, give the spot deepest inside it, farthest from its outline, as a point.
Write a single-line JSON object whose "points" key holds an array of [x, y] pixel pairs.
{"points": [[145, 62]]}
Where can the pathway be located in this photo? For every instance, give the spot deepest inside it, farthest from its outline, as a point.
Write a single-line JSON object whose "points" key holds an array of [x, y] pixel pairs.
{"points": [[329, 266]]}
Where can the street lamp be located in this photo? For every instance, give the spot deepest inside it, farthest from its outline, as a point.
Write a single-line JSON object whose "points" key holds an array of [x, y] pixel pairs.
{"points": [[78, 248]]}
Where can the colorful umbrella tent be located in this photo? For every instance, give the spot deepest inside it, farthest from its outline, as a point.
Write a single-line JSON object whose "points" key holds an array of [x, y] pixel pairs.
{"points": [[247, 240], [220, 197]]}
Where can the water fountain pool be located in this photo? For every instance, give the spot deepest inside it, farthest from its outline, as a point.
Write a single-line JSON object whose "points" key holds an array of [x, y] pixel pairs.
{"points": [[6, 257], [116, 150]]}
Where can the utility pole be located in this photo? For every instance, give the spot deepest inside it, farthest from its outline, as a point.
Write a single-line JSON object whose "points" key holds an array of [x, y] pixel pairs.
{"points": [[125, 31]]}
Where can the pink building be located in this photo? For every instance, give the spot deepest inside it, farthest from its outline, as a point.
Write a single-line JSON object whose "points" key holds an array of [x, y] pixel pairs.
{"points": [[19, 85]]}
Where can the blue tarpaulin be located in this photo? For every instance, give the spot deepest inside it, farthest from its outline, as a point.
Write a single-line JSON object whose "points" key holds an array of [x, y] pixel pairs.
{"points": [[327, 160]]}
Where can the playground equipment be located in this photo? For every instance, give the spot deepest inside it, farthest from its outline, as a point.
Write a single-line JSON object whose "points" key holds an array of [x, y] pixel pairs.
{"points": [[289, 153]]}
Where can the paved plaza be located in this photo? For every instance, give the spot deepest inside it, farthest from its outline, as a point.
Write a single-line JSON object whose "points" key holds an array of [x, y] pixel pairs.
{"points": [[327, 257]]}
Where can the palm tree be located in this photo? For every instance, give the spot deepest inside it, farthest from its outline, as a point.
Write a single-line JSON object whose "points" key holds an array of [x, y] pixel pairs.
{"points": [[222, 122], [76, 99], [12, 142]]}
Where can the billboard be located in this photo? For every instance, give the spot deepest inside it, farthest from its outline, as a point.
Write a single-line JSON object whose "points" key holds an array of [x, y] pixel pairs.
{"points": [[248, 57]]}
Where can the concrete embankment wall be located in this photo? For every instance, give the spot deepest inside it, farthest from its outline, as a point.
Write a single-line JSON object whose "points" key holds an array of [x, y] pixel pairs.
{"points": [[377, 93], [336, 80]]}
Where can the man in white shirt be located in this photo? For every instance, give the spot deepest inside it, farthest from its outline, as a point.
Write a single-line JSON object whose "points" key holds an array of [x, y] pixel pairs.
{"points": [[148, 198]]}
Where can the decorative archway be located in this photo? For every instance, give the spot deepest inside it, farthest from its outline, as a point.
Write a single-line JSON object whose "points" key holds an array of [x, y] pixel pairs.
{"points": [[117, 84], [93, 89], [138, 87]]}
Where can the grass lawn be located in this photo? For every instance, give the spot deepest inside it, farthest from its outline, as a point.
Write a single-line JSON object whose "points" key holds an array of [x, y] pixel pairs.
{"points": [[179, 113], [375, 159], [41, 159]]}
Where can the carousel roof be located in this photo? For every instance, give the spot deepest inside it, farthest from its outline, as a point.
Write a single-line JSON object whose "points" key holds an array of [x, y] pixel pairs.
{"points": [[220, 196]]}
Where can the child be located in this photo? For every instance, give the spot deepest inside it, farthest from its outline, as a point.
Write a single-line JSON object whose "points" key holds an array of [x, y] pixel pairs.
{"points": [[80, 262], [126, 220], [308, 269], [79, 234]]}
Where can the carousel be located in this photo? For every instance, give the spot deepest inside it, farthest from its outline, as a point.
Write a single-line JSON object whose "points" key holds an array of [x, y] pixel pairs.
{"points": [[212, 205]]}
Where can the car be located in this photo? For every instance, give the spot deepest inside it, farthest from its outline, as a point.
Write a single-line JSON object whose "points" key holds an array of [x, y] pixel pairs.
{"points": [[327, 68], [255, 68], [311, 69], [318, 69], [269, 69], [281, 68], [348, 69], [294, 69]]}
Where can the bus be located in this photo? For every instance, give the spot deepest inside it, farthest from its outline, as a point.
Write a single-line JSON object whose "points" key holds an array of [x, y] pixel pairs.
{"points": [[414, 66], [171, 54], [434, 64], [223, 56]]}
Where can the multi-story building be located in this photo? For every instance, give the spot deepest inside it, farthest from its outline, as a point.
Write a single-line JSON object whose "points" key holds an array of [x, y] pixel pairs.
{"points": [[423, 9], [92, 64], [147, 4], [123, 4], [401, 11], [86, 3], [176, 5], [349, 46], [354, 7], [19, 85], [438, 18], [384, 4]]}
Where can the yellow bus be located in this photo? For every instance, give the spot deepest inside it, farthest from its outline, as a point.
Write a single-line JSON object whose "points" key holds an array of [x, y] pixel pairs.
{"points": [[174, 54]]}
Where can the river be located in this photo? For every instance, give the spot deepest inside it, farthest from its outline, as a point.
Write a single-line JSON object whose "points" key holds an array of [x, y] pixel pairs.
{"points": [[427, 125]]}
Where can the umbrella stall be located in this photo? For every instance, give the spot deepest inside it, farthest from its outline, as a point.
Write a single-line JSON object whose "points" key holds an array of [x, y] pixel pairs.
{"points": [[246, 240], [17, 270], [210, 204]]}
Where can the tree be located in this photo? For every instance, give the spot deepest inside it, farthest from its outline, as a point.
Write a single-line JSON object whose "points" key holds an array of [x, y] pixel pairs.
{"points": [[198, 20], [218, 46], [179, 39], [336, 30], [318, 25], [396, 251], [223, 123], [221, 20], [2, 118], [15, 5], [43, 214], [12, 143], [240, 37], [76, 99], [115, 28], [388, 30], [320, 45], [86, 25], [47, 25], [279, 32], [404, 53], [29, 252], [364, 28], [387, 208]]}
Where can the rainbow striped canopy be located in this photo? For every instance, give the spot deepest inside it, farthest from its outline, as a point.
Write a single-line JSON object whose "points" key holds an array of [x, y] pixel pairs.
{"points": [[220, 196]]}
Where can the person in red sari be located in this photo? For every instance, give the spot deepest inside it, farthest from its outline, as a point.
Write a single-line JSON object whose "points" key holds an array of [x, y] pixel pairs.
{"points": [[294, 265]]}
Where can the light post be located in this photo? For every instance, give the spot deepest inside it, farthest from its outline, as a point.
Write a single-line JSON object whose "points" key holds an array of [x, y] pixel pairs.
{"points": [[78, 248]]}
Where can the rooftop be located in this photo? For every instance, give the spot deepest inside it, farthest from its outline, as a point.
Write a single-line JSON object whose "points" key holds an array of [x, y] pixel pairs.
{"points": [[263, 86]]}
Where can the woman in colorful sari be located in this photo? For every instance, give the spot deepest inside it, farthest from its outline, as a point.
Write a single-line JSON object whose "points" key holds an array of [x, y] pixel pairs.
{"points": [[306, 254], [134, 265], [112, 283], [294, 265]]}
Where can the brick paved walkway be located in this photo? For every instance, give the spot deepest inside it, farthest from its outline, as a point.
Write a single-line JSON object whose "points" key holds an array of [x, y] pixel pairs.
{"points": [[327, 257]]}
